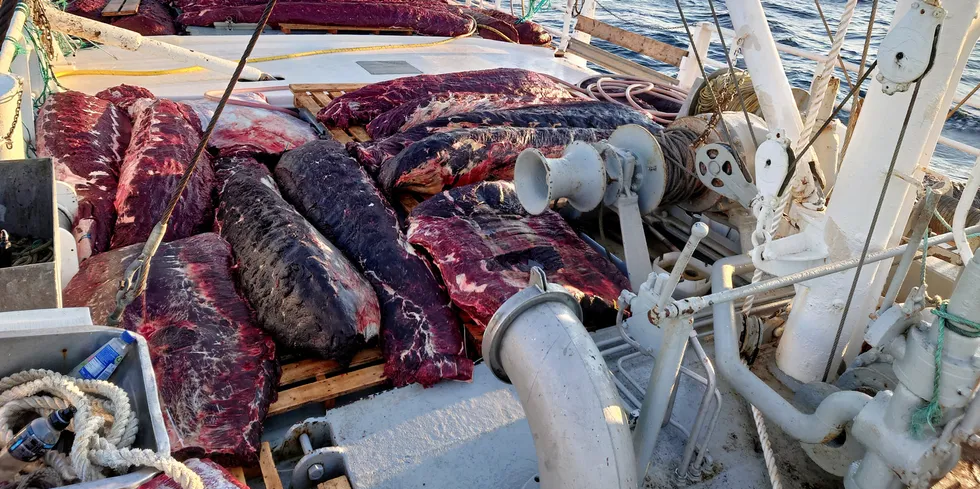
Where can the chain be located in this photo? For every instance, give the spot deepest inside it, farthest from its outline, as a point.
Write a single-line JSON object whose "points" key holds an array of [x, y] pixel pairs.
{"points": [[9, 138], [40, 21]]}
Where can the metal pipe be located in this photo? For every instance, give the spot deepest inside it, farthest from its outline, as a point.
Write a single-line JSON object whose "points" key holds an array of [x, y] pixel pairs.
{"points": [[131, 41], [705, 403], [962, 210], [698, 232], [536, 341], [823, 425], [695, 304], [658, 392], [921, 226], [15, 33]]}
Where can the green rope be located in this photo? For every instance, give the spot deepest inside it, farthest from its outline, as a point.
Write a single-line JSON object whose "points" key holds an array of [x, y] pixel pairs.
{"points": [[932, 413], [536, 7]]}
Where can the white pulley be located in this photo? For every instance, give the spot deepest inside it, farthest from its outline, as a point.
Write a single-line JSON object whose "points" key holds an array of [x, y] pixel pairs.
{"points": [[905, 53], [719, 169], [772, 160]]}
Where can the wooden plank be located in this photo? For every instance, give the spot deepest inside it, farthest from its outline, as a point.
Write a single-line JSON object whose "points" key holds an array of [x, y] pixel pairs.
{"points": [[359, 133], [653, 48], [112, 7], [269, 472], [338, 483], [321, 98], [331, 388], [615, 63], [308, 369], [239, 473], [306, 101]]}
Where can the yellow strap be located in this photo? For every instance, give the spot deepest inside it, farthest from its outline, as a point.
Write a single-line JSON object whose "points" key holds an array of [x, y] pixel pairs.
{"points": [[264, 59]]}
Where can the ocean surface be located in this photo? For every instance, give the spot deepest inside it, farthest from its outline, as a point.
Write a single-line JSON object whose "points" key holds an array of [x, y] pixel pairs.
{"points": [[795, 23]]}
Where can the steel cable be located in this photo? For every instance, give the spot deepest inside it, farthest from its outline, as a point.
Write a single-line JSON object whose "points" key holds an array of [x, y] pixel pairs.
{"points": [[139, 269]]}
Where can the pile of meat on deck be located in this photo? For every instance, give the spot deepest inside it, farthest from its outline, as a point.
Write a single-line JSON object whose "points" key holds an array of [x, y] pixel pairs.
{"points": [[286, 243], [425, 17]]}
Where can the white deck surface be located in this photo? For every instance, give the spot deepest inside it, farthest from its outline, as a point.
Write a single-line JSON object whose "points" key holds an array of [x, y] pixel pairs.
{"points": [[458, 55]]}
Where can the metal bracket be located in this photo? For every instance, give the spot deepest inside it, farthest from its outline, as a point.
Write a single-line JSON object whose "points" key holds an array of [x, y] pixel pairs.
{"points": [[905, 54], [720, 169]]}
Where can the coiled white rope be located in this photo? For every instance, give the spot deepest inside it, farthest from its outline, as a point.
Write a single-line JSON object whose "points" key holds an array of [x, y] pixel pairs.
{"points": [[819, 93], [98, 404], [760, 426]]}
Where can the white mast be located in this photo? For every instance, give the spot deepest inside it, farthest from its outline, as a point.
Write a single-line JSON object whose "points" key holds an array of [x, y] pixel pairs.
{"points": [[812, 326]]}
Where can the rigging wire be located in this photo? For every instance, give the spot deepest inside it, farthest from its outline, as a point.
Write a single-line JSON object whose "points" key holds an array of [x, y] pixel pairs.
{"points": [[717, 116], [128, 289], [856, 104], [874, 223], [731, 72]]}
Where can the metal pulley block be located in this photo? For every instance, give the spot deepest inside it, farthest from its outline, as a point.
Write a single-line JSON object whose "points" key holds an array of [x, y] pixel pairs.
{"points": [[905, 54], [719, 168]]}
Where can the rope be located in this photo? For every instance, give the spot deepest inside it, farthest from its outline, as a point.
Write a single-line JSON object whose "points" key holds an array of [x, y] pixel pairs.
{"points": [[263, 59], [26, 251], [623, 89], [816, 101], [932, 413], [682, 184], [536, 7], [96, 447], [830, 35], [497, 32]]}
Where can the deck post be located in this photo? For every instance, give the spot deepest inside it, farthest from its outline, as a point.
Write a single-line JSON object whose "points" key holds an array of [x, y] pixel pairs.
{"points": [[809, 334]]}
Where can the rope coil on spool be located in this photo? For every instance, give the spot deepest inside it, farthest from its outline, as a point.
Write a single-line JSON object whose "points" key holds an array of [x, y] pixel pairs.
{"points": [[682, 185], [105, 427]]}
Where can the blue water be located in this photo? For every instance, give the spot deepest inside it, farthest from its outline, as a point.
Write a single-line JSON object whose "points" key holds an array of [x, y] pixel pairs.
{"points": [[795, 23]]}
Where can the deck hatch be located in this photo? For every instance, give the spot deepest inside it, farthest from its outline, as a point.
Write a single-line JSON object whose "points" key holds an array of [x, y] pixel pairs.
{"points": [[397, 67]]}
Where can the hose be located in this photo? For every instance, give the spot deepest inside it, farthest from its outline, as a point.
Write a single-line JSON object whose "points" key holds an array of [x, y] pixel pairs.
{"points": [[623, 89], [98, 403], [263, 59]]}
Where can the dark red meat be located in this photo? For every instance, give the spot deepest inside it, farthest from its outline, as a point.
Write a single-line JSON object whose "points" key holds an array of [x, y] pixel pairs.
{"points": [[86, 138], [581, 114], [430, 107], [216, 370], [164, 140], [305, 293], [464, 156], [212, 475], [529, 32], [246, 130], [360, 106], [423, 20], [152, 19], [484, 245], [123, 96], [422, 338], [505, 31]]}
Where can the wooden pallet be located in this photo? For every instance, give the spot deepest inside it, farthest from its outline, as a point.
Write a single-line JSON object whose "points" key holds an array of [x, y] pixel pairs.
{"points": [[119, 8], [311, 381], [334, 29], [315, 96]]}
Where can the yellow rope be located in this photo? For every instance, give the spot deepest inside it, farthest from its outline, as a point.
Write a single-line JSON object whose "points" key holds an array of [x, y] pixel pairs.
{"points": [[495, 31], [264, 59]]}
